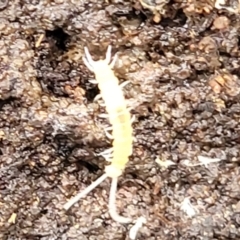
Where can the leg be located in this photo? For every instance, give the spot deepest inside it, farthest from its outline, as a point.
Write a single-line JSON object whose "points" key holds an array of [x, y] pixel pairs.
{"points": [[109, 135], [93, 81], [123, 84], [107, 154]]}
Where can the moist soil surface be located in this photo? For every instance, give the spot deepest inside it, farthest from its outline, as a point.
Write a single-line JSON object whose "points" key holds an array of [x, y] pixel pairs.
{"points": [[181, 59]]}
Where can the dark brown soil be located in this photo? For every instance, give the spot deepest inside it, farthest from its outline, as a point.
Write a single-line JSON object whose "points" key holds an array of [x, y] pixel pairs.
{"points": [[182, 61]]}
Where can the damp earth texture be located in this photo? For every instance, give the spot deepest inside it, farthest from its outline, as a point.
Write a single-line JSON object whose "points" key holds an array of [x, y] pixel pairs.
{"points": [[182, 61]]}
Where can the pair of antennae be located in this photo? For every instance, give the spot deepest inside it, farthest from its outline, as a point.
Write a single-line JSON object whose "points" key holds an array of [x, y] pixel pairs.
{"points": [[89, 62]]}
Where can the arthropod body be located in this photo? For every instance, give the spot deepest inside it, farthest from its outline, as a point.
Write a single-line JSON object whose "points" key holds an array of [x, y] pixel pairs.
{"points": [[120, 119], [116, 107]]}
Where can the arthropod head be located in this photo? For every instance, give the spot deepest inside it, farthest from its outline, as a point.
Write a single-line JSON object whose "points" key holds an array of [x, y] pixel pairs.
{"points": [[101, 68]]}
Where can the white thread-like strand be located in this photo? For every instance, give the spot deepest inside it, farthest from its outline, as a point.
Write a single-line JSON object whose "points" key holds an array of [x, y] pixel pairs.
{"points": [[112, 206], [84, 192]]}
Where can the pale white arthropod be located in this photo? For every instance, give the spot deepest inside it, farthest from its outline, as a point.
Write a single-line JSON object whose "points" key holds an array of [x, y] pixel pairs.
{"points": [[122, 132]]}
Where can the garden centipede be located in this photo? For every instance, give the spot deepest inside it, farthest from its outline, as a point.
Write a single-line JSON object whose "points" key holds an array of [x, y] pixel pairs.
{"points": [[122, 131]]}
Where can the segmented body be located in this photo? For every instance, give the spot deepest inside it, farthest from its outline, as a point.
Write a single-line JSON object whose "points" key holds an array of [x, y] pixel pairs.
{"points": [[116, 107], [120, 118]]}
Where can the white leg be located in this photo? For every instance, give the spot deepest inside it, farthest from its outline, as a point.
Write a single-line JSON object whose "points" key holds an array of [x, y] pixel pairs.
{"points": [[93, 81], [133, 119], [109, 128], [102, 104], [109, 136], [123, 84], [99, 96], [103, 115], [107, 154], [107, 151]]}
